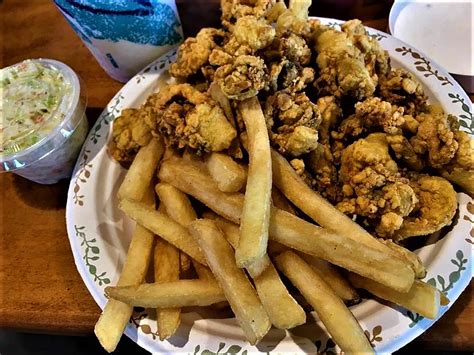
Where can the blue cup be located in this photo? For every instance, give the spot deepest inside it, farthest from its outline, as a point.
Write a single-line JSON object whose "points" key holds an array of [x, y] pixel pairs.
{"points": [[124, 35]]}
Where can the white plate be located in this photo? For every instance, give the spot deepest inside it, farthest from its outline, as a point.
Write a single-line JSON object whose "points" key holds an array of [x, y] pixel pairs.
{"points": [[99, 233]]}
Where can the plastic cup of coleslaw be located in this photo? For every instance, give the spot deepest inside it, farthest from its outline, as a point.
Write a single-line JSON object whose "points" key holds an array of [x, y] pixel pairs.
{"points": [[42, 120]]}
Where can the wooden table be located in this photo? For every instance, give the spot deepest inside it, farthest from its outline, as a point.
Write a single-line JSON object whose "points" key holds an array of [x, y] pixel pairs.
{"points": [[41, 291]]}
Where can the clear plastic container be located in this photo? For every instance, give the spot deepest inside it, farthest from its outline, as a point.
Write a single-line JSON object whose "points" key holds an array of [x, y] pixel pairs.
{"points": [[42, 120]]}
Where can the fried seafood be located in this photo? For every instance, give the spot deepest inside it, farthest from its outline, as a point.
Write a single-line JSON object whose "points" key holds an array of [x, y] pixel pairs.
{"points": [[244, 78], [460, 169], [293, 121], [289, 76], [187, 117], [436, 207], [373, 186], [194, 52], [341, 65], [253, 32], [435, 137], [232, 10], [401, 88], [130, 133]]}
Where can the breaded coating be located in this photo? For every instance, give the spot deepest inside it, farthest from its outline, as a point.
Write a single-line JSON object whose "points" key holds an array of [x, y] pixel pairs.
{"points": [[292, 120], [232, 10], [244, 78], [320, 163], [194, 52], [342, 66], [461, 169], [404, 151], [373, 186], [376, 58], [436, 207], [401, 88], [289, 76], [253, 32], [331, 114], [129, 134], [189, 118], [370, 115], [435, 137]]}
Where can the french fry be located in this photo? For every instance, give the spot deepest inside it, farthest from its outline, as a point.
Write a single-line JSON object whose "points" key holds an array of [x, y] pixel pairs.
{"points": [[166, 265], [335, 316], [280, 201], [164, 227], [175, 294], [422, 298], [332, 277], [116, 314], [218, 95], [413, 259], [228, 175], [319, 209], [204, 273], [232, 235], [177, 204], [282, 309], [184, 262], [238, 290], [257, 202], [338, 249], [194, 180], [141, 171], [179, 208]]}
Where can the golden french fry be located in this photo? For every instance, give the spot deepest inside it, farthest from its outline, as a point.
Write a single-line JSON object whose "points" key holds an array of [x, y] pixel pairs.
{"points": [[257, 202], [141, 171], [332, 277], [166, 264], [177, 204], [164, 227], [182, 293], [228, 175], [341, 250], [335, 316], [280, 201], [194, 180], [238, 290], [282, 309], [232, 234], [179, 208], [422, 298], [116, 314], [184, 262], [204, 273], [218, 95], [413, 259], [319, 209]]}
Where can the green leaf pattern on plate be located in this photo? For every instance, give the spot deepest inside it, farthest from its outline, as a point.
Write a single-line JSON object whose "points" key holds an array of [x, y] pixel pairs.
{"points": [[233, 349], [91, 255], [424, 65], [105, 119], [82, 175], [466, 120]]}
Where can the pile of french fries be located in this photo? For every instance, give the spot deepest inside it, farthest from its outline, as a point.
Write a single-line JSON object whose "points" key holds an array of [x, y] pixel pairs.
{"points": [[243, 242]]}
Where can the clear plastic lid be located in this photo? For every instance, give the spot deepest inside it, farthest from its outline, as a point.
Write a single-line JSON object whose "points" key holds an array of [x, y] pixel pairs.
{"points": [[40, 108]]}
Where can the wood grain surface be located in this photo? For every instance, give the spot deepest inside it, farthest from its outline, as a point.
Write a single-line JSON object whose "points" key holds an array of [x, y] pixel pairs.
{"points": [[40, 289]]}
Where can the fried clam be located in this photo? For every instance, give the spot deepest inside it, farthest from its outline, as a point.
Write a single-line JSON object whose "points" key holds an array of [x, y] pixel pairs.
{"points": [[130, 133], [189, 118], [436, 207], [373, 186], [194, 53], [244, 78], [292, 120], [289, 76], [232, 10], [401, 88]]}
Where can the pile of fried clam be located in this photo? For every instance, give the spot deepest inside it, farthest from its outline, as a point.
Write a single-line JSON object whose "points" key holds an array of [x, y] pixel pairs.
{"points": [[358, 131]]}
